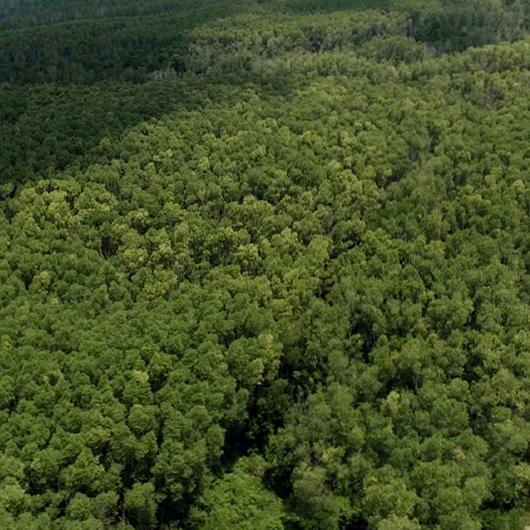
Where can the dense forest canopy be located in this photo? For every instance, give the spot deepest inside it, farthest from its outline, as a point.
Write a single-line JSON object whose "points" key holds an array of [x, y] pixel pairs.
{"points": [[264, 265]]}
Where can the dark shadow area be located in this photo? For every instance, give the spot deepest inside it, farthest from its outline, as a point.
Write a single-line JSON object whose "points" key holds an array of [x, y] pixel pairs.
{"points": [[84, 52], [44, 129], [17, 14]]}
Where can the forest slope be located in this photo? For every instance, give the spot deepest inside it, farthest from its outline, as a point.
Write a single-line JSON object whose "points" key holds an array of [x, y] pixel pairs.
{"points": [[285, 288]]}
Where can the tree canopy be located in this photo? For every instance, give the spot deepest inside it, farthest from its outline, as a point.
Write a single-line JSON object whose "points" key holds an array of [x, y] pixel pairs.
{"points": [[264, 266]]}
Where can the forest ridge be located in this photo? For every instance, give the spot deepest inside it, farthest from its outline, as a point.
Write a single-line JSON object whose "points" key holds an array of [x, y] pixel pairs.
{"points": [[264, 265]]}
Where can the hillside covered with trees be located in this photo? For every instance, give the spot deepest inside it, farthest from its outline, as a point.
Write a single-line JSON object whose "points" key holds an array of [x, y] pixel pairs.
{"points": [[264, 265]]}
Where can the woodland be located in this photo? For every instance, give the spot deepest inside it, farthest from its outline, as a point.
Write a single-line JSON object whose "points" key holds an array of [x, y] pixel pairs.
{"points": [[264, 265]]}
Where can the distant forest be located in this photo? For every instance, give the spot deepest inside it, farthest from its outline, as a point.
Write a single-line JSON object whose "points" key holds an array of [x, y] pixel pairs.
{"points": [[264, 265]]}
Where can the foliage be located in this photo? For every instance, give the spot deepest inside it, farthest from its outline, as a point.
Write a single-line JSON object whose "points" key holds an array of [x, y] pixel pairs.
{"points": [[286, 288]]}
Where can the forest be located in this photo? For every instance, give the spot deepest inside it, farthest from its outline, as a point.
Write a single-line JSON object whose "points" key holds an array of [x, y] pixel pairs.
{"points": [[264, 265]]}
